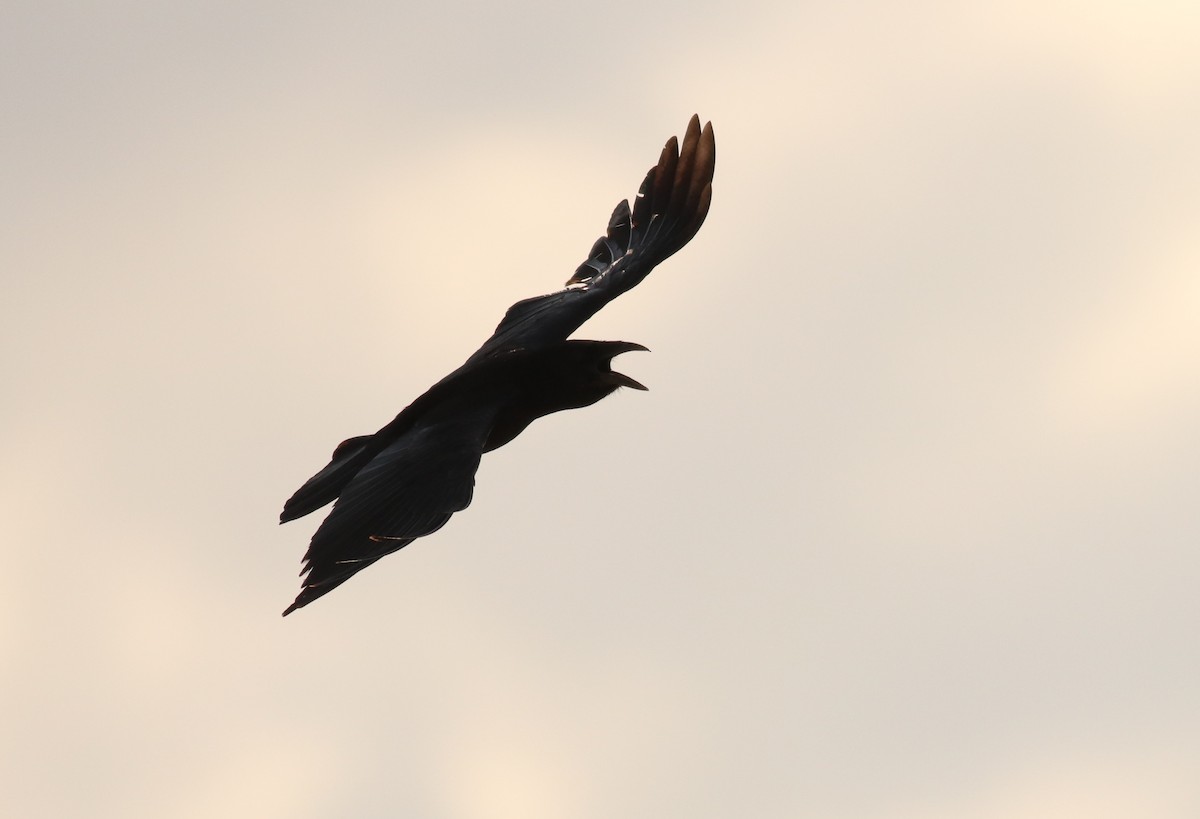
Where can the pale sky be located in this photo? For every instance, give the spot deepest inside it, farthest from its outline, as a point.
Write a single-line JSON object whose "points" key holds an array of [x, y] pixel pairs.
{"points": [[906, 527]]}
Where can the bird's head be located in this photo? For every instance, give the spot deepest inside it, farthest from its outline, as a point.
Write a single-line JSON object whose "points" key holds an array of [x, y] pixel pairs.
{"points": [[569, 375]]}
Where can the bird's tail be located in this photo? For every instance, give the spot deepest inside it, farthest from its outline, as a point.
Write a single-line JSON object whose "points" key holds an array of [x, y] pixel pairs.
{"points": [[349, 457]]}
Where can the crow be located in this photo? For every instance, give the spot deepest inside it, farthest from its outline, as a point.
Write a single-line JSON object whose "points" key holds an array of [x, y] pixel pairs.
{"points": [[407, 479]]}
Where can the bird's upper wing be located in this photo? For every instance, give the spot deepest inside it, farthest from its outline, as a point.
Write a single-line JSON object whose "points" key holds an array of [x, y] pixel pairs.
{"points": [[670, 207], [410, 489]]}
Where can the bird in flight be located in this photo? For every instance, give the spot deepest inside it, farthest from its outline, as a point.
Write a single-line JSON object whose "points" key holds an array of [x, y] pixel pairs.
{"points": [[407, 479]]}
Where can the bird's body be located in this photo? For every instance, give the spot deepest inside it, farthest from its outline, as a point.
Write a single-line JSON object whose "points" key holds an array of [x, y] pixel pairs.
{"points": [[407, 479]]}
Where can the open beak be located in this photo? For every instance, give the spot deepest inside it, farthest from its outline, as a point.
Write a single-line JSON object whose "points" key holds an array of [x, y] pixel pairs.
{"points": [[622, 379]]}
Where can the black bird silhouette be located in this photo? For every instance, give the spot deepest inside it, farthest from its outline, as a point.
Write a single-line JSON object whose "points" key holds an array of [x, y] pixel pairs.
{"points": [[406, 480]]}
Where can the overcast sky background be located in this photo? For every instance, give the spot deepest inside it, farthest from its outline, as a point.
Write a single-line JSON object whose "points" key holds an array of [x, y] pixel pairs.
{"points": [[907, 525]]}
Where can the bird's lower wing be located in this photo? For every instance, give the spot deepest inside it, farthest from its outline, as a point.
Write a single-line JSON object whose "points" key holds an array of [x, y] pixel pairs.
{"points": [[409, 490], [671, 205]]}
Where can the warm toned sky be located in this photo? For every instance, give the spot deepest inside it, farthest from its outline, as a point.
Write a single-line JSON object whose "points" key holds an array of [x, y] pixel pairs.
{"points": [[907, 525]]}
